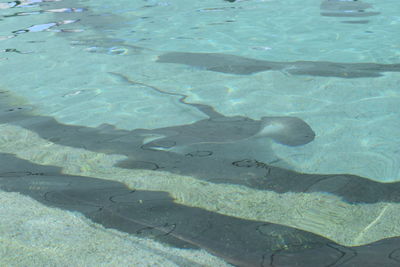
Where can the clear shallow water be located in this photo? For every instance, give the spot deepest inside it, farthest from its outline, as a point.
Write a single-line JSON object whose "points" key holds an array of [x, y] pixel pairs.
{"points": [[60, 63], [74, 64]]}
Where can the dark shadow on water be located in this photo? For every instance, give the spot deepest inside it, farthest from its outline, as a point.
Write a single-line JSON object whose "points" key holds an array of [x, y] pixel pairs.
{"points": [[347, 8], [154, 214], [74, 18], [242, 65], [203, 162]]}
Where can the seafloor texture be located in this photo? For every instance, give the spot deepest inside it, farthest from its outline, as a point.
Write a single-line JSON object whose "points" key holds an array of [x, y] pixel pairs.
{"points": [[168, 203], [183, 212], [319, 212], [262, 132], [32, 234]]}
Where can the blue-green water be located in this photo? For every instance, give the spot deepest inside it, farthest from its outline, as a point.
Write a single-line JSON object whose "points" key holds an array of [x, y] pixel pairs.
{"points": [[334, 65]]}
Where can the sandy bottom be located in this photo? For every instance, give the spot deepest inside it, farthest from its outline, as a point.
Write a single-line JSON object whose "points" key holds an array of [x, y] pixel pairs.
{"points": [[32, 234], [326, 215]]}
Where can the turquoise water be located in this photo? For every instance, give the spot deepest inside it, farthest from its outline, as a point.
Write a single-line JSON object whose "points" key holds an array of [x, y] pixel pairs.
{"points": [[354, 118], [97, 63]]}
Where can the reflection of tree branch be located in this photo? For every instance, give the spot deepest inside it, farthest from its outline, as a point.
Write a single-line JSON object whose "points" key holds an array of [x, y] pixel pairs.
{"points": [[206, 109]]}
